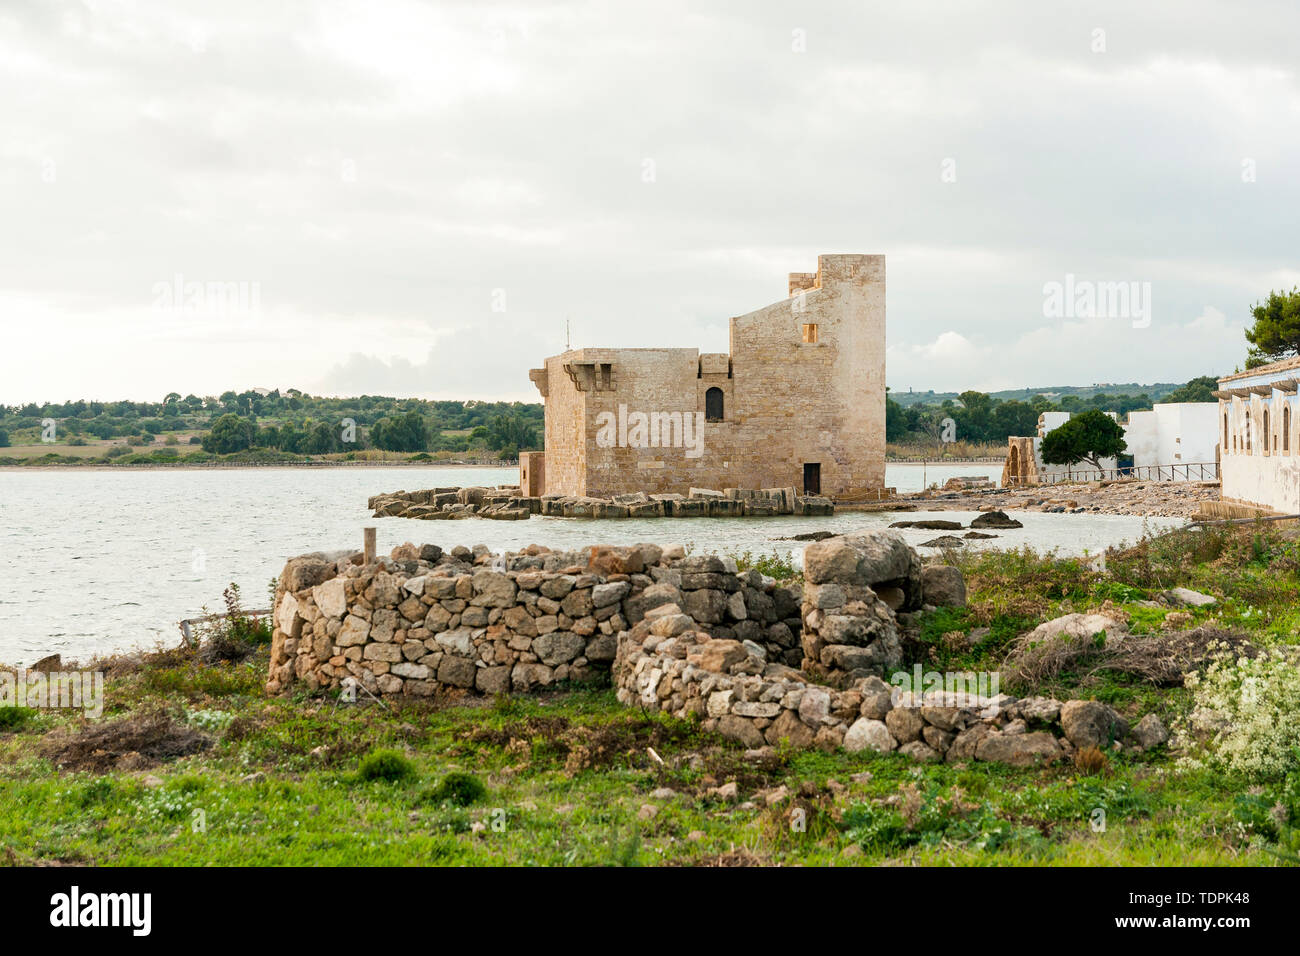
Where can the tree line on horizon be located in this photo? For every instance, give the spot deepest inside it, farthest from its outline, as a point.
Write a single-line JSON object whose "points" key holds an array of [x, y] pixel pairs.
{"points": [[292, 422], [981, 418]]}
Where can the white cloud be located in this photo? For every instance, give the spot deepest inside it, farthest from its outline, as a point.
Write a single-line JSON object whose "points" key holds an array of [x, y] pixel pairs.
{"points": [[382, 169], [1064, 353]]}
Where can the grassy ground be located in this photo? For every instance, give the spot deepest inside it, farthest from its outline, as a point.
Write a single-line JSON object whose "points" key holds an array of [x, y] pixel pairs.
{"points": [[191, 764]]}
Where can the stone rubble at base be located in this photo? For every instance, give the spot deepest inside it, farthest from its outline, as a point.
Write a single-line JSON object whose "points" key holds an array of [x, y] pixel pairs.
{"points": [[690, 635], [505, 503]]}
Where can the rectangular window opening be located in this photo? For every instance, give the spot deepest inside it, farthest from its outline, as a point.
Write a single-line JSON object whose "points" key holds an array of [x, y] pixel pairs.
{"points": [[810, 332]]}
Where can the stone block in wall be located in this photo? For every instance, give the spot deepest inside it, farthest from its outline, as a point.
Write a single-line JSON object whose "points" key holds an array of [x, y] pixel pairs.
{"points": [[705, 493]]}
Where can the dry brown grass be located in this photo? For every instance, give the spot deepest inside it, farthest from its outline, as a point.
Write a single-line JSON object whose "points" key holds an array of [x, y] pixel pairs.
{"points": [[1091, 762], [130, 743], [1159, 659]]}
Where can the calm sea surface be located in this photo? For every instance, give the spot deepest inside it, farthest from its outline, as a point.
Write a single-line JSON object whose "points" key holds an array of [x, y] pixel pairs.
{"points": [[96, 561]]}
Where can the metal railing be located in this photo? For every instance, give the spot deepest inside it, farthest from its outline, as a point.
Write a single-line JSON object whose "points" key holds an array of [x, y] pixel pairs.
{"points": [[1182, 471], [187, 625]]}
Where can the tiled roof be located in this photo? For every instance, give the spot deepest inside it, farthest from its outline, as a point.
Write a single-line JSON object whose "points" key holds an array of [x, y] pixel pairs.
{"points": [[1262, 371]]}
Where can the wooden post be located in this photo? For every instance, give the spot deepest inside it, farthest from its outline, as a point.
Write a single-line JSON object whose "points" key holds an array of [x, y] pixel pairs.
{"points": [[369, 545]]}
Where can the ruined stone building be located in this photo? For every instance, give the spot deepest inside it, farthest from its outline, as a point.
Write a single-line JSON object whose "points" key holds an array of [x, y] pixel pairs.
{"points": [[1257, 415], [799, 401]]}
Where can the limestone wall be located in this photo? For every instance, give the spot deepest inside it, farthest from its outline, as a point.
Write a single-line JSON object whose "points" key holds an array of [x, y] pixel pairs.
{"points": [[688, 635], [422, 620], [787, 401], [668, 663]]}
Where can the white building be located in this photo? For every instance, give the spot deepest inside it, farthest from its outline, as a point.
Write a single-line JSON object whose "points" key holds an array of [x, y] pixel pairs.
{"points": [[1050, 421], [1171, 442], [1173, 434], [1257, 416]]}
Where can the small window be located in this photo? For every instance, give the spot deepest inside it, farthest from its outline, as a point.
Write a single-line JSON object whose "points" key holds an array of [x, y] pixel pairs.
{"points": [[810, 332], [713, 405], [1286, 428]]}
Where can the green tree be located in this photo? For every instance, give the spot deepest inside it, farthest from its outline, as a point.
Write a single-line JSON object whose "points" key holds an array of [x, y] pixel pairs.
{"points": [[229, 434], [4, 438], [407, 432], [895, 420], [1089, 436], [974, 417], [1013, 418], [1276, 332], [321, 440], [1199, 389], [508, 433]]}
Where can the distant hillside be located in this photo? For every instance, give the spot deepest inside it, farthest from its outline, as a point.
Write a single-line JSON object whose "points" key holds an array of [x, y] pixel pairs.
{"points": [[1053, 392]]}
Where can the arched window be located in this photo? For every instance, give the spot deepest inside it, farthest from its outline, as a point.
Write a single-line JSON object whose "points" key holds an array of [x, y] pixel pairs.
{"points": [[713, 405], [1225, 429]]}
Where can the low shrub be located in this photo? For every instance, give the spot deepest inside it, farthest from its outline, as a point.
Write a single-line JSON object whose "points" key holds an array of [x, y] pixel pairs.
{"points": [[1246, 714], [457, 788], [386, 765], [15, 718]]}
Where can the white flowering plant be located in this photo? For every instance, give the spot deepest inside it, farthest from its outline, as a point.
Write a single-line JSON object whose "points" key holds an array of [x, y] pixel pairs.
{"points": [[1246, 714]]}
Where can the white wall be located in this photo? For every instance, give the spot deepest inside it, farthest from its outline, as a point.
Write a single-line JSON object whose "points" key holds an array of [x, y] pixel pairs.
{"points": [[1168, 434], [1251, 473], [1173, 434], [1273, 482], [1188, 432], [1047, 421], [1141, 435]]}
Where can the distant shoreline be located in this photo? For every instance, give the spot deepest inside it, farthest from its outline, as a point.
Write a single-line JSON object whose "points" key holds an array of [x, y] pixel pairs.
{"points": [[944, 461], [220, 465]]}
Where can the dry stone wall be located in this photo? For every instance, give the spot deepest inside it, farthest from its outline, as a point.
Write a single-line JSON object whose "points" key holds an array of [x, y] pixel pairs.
{"points": [[664, 664], [422, 619], [758, 663]]}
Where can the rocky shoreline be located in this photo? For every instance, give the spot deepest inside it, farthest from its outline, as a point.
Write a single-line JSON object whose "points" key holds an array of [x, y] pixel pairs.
{"points": [[1165, 499], [506, 503]]}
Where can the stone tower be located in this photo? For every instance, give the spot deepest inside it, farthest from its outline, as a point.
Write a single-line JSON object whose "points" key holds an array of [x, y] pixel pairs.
{"points": [[798, 402]]}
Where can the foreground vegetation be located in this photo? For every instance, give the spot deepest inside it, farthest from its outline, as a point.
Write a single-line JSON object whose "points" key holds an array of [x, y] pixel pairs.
{"points": [[192, 764]]}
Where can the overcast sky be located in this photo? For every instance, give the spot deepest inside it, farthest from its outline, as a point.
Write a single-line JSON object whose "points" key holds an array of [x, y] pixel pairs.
{"points": [[414, 196]]}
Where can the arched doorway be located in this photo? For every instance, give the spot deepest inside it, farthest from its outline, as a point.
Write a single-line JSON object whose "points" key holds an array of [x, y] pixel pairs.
{"points": [[713, 405]]}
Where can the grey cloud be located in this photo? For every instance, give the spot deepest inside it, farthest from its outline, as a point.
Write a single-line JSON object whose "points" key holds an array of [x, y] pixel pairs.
{"points": [[501, 146]]}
